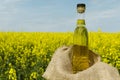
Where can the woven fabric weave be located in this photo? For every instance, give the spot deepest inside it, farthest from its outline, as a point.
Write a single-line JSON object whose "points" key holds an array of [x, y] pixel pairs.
{"points": [[60, 68]]}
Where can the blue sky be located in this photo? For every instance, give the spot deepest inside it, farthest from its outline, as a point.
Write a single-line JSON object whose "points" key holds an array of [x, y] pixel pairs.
{"points": [[58, 15]]}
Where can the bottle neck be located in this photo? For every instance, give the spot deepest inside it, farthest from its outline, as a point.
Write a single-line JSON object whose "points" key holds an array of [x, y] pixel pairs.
{"points": [[81, 23], [81, 15]]}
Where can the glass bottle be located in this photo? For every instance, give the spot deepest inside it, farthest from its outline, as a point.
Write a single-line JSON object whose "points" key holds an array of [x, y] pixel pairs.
{"points": [[80, 57]]}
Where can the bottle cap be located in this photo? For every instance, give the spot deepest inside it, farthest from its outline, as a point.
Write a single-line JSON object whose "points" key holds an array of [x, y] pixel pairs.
{"points": [[81, 8]]}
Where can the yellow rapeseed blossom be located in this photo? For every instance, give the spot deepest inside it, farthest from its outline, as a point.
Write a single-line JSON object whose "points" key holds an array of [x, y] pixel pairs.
{"points": [[25, 55]]}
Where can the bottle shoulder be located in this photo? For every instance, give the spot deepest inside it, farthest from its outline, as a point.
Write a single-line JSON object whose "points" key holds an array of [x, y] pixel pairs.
{"points": [[80, 28]]}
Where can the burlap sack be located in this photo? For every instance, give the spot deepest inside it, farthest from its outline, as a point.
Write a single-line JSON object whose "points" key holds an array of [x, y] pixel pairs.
{"points": [[60, 68]]}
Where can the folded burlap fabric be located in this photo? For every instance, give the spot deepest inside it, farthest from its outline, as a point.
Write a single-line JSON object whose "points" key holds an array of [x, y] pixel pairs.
{"points": [[60, 68]]}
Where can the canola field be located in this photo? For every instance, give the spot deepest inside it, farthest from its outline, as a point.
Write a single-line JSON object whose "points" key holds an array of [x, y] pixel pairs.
{"points": [[25, 55]]}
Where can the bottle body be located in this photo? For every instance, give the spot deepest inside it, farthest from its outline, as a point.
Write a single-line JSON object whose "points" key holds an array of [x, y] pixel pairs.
{"points": [[80, 33], [80, 57]]}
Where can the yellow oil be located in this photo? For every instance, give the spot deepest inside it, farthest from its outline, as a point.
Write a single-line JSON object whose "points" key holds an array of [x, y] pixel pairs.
{"points": [[80, 57]]}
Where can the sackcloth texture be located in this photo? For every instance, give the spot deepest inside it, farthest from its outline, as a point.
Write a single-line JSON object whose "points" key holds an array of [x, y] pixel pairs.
{"points": [[60, 68]]}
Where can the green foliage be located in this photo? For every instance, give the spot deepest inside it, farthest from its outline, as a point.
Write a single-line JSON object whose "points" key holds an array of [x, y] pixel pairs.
{"points": [[25, 56]]}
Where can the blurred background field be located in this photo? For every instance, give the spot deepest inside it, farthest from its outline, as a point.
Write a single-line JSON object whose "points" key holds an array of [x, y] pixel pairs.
{"points": [[25, 55]]}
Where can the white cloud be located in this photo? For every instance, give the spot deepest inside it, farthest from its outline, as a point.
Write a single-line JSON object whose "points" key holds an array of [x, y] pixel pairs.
{"points": [[101, 2], [110, 13], [107, 9], [4, 4], [47, 18], [105, 14], [8, 11]]}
